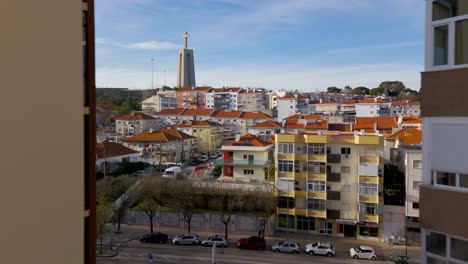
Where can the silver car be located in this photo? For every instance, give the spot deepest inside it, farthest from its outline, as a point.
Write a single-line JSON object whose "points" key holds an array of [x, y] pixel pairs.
{"points": [[286, 246], [362, 252], [218, 240], [186, 239], [320, 248]]}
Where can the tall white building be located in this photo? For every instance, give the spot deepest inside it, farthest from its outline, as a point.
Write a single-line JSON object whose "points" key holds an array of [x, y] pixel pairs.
{"points": [[444, 86], [186, 68]]}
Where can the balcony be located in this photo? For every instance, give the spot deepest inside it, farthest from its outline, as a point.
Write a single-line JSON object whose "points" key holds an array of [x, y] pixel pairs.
{"points": [[287, 211], [369, 218], [368, 169], [369, 198], [289, 193], [318, 195], [317, 158], [334, 177], [371, 159], [317, 213], [241, 162], [317, 176], [371, 179], [333, 158]]}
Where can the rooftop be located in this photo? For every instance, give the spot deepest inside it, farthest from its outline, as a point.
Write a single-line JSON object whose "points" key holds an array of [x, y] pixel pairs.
{"points": [[267, 124], [248, 140], [407, 136], [134, 116], [108, 149]]}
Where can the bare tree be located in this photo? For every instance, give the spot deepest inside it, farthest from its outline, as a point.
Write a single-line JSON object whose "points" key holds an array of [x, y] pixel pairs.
{"points": [[151, 209], [181, 195], [265, 204], [103, 211], [226, 201], [120, 209]]}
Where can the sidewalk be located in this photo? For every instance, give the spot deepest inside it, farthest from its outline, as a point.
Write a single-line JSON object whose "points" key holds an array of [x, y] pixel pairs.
{"points": [[130, 232]]}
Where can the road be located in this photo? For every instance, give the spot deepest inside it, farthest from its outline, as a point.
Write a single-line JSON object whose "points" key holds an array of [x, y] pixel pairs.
{"points": [[135, 252]]}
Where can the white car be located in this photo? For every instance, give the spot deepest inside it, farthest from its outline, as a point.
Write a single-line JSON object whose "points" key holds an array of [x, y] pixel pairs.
{"points": [[320, 248], [286, 246], [203, 158], [362, 252], [218, 240], [186, 239]]}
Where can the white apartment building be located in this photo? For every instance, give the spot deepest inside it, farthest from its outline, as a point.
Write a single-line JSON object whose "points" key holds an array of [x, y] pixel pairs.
{"points": [[134, 123], [223, 98], [372, 108], [158, 102], [289, 105]]}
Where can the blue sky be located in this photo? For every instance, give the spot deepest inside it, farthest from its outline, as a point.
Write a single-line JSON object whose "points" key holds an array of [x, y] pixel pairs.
{"points": [[295, 44]]}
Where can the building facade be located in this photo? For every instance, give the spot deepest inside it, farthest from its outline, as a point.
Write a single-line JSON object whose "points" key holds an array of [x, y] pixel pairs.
{"points": [[188, 97], [444, 192], [157, 103], [372, 108], [134, 123], [252, 101], [330, 183], [223, 98], [209, 134], [109, 154], [246, 158]]}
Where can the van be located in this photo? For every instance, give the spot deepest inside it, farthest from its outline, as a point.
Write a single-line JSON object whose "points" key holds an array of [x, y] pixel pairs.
{"points": [[172, 172]]}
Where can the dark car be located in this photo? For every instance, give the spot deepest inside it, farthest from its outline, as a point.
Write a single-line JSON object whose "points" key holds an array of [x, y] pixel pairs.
{"points": [[194, 161], [252, 242], [157, 237]]}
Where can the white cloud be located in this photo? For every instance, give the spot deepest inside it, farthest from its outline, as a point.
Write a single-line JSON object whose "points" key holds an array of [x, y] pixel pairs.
{"points": [[154, 45]]}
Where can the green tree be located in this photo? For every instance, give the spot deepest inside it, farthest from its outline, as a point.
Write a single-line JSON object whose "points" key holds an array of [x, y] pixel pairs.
{"points": [[226, 200], [333, 89], [377, 91], [103, 212], [265, 203], [361, 90], [218, 169], [394, 187], [151, 208]]}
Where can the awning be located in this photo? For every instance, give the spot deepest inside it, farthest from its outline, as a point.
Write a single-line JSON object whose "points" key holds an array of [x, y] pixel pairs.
{"points": [[346, 221]]}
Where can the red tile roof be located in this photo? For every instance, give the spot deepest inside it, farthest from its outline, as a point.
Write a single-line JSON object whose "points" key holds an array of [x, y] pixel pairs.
{"points": [[254, 115], [404, 103], [267, 124], [371, 101], [411, 119], [383, 123], [155, 136], [198, 112], [288, 96], [253, 140], [227, 113], [108, 149], [327, 102], [176, 133], [323, 125], [185, 89], [348, 102], [408, 136], [304, 116], [198, 123], [339, 127], [134, 116], [175, 111]]}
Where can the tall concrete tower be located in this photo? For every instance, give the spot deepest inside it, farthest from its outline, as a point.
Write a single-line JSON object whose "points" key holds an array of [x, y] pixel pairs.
{"points": [[186, 68]]}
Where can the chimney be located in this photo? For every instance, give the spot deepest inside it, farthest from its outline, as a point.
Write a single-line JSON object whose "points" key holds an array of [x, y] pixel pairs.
{"points": [[151, 130], [133, 113], [237, 137], [375, 126], [320, 101], [400, 120], [351, 127], [356, 133], [375, 99], [362, 131]]}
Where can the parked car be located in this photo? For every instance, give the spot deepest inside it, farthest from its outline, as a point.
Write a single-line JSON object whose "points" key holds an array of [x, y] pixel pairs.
{"points": [[218, 240], [213, 155], [219, 152], [320, 248], [286, 246], [194, 161], [203, 158], [362, 252], [252, 242], [186, 239], [157, 237], [171, 172]]}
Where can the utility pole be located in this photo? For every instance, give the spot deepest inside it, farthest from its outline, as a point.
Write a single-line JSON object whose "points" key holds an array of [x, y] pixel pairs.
{"points": [[152, 73], [164, 77]]}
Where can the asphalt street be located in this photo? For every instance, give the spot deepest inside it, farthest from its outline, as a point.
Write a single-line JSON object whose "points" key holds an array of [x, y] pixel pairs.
{"points": [[135, 252]]}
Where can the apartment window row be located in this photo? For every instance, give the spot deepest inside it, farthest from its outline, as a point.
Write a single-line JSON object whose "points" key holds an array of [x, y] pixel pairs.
{"points": [[450, 179], [450, 32], [286, 202], [285, 166], [316, 204], [316, 149], [286, 148], [345, 151], [316, 186], [286, 221], [441, 248], [248, 172], [368, 208], [368, 189]]}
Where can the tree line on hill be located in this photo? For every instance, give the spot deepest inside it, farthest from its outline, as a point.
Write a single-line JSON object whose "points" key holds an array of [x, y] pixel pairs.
{"points": [[388, 88]]}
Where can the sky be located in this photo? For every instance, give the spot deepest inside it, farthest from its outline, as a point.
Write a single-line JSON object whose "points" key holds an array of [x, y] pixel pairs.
{"points": [[307, 45]]}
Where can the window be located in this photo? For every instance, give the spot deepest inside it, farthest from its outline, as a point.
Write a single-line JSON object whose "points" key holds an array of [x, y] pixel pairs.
{"points": [[286, 202], [328, 150], [417, 164], [316, 204], [436, 243], [345, 169], [458, 249], [346, 151], [415, 205], [442, 9], [461, 42], [305, 223], [368, 208], [463, 180], [285, 166], [340, 228], [286, 221], [316, 186], [316, 167], [326, 228], [441, 45], [368, 231], [368, 189], [446, 178], [285, 148], [285, 184], [248, 172], [316, 149]]}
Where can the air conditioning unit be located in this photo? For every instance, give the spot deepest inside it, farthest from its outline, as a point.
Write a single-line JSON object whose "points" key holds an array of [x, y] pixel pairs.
{"points": [[346, 156]]}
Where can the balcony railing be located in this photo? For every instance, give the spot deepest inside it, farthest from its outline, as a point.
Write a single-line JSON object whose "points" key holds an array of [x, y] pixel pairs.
{"points": [[333, 158], [237, 162]]}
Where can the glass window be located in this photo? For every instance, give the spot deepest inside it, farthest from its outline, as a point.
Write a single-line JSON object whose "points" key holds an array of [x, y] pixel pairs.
{"points": [[464, 180], [441, 45], [459, 249], [368, 189], [316, 186], [286, 202], [368, 208], [345, 169], [316, 149], [316, 204], [436, 243], [326, 228], [285, 165], [446, 178], [442, 9], [285, 148], [461, 42], [417, 164], [286, 221], [345, 150], [415, 205], [368, 231], [305, 223]]}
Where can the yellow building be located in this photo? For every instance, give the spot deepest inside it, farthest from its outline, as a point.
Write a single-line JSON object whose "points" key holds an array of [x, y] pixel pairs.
{"points": [[209, 134], [330, 183]]}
